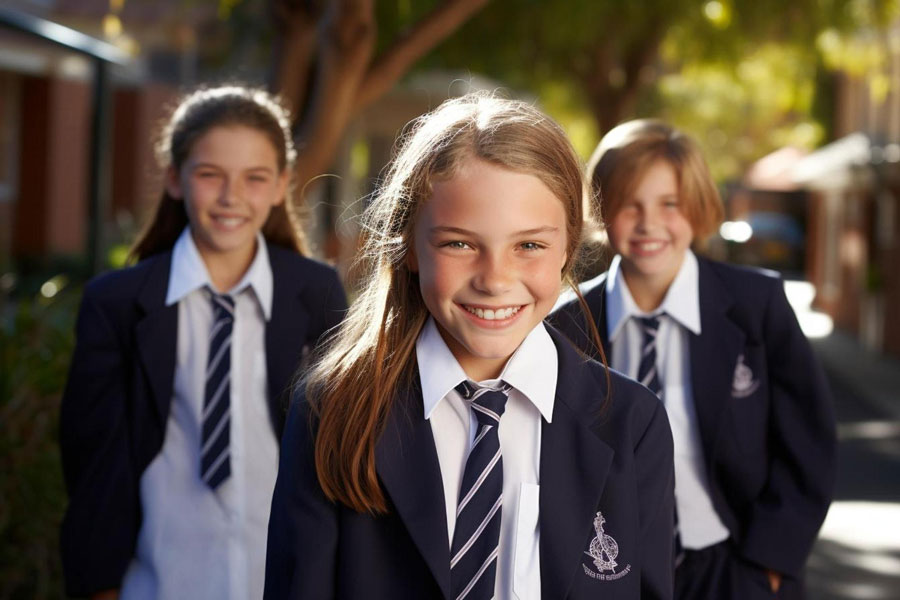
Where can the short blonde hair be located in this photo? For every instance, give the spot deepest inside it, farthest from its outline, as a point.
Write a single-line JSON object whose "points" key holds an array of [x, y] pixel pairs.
{"points": [[626, 153]]}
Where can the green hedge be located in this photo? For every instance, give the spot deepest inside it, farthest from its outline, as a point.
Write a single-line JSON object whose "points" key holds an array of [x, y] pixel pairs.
{"points": [[36, 341]]}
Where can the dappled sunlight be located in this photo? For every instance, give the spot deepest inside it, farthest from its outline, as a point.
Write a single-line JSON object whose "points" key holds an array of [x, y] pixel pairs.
{"points": [[814, 324], [860, 540], [869, 430], [869, 526]]}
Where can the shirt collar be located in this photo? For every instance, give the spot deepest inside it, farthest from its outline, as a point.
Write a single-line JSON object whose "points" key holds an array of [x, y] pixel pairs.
{"points": [[188, 273], [532, 369], [682, 300]]}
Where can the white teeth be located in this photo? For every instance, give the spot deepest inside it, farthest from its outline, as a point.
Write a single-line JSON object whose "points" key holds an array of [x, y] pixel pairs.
{"points": [[650, 246], [489, 314], [230, 222]]}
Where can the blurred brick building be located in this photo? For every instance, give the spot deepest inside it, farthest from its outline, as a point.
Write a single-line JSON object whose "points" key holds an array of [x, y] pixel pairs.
{"points": [[853, 248], [47, 93]]}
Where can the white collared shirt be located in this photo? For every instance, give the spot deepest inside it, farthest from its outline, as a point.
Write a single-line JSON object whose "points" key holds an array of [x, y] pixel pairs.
{"points": [[194, 542], [699, 524], [532, 373]]}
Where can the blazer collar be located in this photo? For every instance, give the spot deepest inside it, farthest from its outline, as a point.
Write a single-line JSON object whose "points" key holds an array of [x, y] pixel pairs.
{"points": [[573, 469], [407, 464], [157, 333]]}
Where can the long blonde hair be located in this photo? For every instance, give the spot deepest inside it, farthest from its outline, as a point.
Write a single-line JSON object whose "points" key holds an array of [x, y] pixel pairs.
{"points": [[353, 384]]}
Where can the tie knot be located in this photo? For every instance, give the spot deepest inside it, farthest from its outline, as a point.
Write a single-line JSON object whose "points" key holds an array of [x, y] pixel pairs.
{"points": [[650, 324], [488, 403], [223, 305]]}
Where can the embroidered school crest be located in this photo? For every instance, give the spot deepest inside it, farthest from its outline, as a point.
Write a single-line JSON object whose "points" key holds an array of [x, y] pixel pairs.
{"points": [[604, 550], [744, 384]]}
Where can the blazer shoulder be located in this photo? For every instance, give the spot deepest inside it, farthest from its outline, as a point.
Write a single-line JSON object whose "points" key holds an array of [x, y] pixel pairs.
{"points": [[741, 278], [630, 402], [124, 284], [284, 259], [592, 290]]}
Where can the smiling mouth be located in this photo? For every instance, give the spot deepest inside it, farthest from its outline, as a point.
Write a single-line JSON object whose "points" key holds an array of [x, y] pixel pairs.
{"points": [[493, 314], [230, 221], [648, 247]]}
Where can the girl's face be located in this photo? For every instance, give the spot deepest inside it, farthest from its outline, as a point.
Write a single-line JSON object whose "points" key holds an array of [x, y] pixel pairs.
{"points": [[229, 183], [650, 232], [489, 247]]}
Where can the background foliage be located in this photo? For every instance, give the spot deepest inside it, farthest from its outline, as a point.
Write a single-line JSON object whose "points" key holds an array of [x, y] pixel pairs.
{"points": [[36, 341]]}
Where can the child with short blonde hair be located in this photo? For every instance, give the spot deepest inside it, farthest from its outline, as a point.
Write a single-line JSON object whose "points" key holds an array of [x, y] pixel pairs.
{"points": [[748, 402]]}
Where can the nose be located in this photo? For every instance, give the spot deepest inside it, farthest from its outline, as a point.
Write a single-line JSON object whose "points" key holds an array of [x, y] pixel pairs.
{"points": [[494, 274], [647, 218], [231, 192]]}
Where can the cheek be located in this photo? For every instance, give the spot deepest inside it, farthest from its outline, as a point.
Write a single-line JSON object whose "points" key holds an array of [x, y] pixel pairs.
{"points": [[436, 275], [617, 230], [545, 276], [682, 229]]}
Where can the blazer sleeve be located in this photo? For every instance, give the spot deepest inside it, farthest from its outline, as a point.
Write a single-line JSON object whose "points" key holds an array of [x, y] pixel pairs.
{"points": [[785, 520], [303, 524], [655, 472], [99, 530]]}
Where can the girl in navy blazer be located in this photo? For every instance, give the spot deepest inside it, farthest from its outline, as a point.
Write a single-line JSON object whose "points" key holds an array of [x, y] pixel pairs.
{"points": [[175, 400], [750, 410], [448, 443]]}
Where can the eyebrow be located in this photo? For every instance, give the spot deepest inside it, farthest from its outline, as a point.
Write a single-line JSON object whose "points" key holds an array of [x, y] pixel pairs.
{"points": [[461, 231]]}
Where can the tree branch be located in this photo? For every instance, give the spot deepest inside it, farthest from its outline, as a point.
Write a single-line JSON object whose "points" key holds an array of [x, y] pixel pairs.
{"points": [[345, 50], [394, 62], [294, 51]]}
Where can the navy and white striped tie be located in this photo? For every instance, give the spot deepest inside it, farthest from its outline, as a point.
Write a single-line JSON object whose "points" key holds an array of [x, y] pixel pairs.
{"points": [[647, 373], [215, 462], [476, 538]]}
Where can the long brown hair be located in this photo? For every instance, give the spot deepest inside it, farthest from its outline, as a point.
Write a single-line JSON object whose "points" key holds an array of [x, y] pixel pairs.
{"points": [[196, 114], [353, 383]]}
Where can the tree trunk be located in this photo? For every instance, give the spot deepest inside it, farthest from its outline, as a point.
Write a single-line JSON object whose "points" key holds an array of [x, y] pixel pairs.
{"points": [[337, 44]]}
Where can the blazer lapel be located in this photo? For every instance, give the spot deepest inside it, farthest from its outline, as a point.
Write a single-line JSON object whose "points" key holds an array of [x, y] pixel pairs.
{"points": [[573, 467], [156, 336], [714, 355], [407, 463]]}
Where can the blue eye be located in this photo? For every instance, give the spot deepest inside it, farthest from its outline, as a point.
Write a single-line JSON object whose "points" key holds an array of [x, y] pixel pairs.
{"points": [[531, 246]]}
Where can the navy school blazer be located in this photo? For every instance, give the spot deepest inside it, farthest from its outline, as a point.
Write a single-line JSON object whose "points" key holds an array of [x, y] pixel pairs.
{"points": [[117, 398], [763, 407], [614, 460]]}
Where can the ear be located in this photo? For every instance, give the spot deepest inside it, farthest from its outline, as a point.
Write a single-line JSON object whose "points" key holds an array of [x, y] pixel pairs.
{"points": [[173, 183], [282, 183]]}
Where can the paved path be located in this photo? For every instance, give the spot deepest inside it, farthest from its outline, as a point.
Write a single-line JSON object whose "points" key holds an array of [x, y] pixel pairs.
{"points": [[858, 553]]}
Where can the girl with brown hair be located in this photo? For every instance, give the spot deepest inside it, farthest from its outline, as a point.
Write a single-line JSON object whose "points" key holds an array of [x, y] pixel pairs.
{"points": [[174, 404], [448, 443]]}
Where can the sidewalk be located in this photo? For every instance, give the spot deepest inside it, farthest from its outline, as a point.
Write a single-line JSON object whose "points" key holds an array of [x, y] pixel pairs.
{"points": [[874, 378]]}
